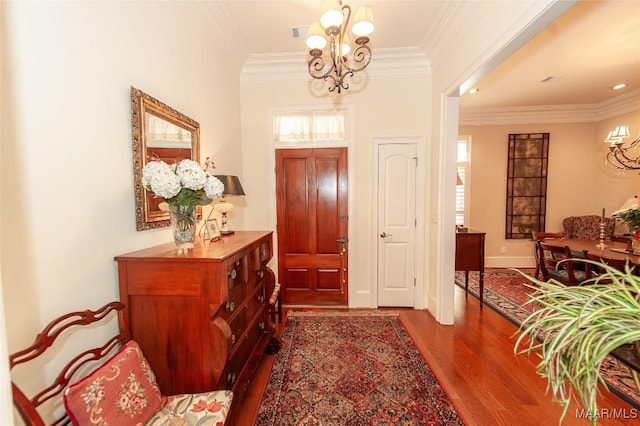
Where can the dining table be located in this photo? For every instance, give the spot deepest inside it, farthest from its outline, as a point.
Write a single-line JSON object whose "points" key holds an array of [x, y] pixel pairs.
{"points": [[611, 249]]}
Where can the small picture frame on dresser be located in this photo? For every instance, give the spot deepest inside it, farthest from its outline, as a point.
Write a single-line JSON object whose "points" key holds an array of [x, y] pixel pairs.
{"points": [[214, 229]]}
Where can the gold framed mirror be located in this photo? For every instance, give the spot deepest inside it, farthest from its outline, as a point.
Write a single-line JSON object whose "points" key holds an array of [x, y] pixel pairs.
{"points": [[159, 132]]}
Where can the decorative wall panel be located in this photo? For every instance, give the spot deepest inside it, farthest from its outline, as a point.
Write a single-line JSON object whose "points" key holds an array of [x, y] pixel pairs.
{"points": [[527, 167]]}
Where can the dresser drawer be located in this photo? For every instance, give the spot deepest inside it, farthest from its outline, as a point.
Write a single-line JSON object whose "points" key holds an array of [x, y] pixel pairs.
{"points": [[238, 272], [265, 250], [243, 350], [238, 325], [256, 301]]}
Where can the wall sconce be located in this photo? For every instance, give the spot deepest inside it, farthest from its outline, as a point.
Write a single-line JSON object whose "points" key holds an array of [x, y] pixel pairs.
{"points": [[621, 155], [232, 186]]}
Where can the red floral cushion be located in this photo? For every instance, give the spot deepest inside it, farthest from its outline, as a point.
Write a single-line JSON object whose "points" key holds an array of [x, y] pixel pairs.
{"points": [[122, 391]]}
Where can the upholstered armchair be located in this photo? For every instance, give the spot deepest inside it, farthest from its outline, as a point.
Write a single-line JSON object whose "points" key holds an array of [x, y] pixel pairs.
{"points": [[587, 227]]}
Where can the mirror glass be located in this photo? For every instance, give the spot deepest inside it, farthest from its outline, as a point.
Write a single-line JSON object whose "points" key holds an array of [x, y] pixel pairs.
{"points": [[159, 132]]}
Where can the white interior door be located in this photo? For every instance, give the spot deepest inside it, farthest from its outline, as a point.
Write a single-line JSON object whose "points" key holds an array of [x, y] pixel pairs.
{"points": [[397, 164]]}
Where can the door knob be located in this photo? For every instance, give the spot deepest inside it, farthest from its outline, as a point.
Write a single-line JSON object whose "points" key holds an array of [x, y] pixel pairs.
{"points": [[385, 235]]}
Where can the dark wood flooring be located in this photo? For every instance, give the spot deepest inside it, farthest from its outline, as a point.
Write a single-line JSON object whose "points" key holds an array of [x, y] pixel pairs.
{"points": [[475, 363]]}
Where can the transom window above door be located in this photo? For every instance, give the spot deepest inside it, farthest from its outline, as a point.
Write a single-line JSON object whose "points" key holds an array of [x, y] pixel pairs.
{"points": [[310, 126]]}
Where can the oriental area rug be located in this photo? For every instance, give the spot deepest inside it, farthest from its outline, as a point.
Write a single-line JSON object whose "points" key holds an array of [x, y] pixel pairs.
{"points": [[505, 293], [351, 368]]}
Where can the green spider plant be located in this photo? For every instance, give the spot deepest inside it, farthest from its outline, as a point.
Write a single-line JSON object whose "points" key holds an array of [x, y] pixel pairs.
{"points": [[575, 327]]}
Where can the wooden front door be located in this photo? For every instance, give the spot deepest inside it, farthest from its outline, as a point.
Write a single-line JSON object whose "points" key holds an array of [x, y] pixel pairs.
{"points": [[312, 225]]}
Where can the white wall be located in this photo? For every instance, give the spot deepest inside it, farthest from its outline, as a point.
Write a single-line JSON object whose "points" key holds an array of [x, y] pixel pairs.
{"points": [[66, 166]]}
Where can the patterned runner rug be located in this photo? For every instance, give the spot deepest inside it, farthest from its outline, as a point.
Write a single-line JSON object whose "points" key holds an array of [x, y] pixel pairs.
{"points": [[351, 368], [505, 293]]}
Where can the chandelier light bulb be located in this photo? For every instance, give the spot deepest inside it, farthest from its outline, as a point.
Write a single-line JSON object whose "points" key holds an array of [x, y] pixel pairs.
{"points": [[315, 36], [363, 24], [331, 14]]}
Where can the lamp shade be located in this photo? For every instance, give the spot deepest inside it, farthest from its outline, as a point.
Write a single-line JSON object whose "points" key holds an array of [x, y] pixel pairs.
{"points": [[315, 37], [331, 14], [232, 185], [621, 132], [363, 22], [630, 203]]}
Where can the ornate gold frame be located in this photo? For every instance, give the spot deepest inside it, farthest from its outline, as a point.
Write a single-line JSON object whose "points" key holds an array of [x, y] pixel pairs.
{"points": [[148, 217]]}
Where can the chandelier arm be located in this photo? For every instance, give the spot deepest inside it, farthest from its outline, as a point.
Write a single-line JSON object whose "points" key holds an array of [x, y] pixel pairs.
{"points": [[626, 163], [317, 67], [361, 55], [612, 160]]}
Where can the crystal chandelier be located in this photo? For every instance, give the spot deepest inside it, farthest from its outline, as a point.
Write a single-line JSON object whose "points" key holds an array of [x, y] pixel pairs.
{"points": [[336, 64], [621, 155]]}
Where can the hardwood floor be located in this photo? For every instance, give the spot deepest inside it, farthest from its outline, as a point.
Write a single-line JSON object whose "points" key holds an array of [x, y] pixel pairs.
{"points": [[475, 364]]}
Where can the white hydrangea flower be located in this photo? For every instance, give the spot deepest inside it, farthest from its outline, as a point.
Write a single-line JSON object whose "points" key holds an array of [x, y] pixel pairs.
{"points": [[213, 187], [158, 178], [182, 184], [191, 174]]}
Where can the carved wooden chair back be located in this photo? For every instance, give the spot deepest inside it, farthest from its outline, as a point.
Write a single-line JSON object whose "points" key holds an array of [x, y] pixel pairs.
{"points": [[556, 263], [539, 236], [28, 407], [117, 371]]}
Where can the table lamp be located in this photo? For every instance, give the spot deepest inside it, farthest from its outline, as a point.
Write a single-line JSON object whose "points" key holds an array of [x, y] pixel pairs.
{"points": [[231, 187]]}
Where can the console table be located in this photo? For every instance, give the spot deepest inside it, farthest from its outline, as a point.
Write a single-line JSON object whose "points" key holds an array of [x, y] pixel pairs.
{"points": [[470, 257], [201, 318]]}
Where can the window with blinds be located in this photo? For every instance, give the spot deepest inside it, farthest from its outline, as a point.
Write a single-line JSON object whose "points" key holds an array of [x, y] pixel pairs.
{"points": [[462, 188], [310, 126]]}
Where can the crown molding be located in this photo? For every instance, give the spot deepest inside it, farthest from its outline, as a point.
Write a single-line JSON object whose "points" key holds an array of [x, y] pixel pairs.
{"points": [[288, 67], [548, 114]]}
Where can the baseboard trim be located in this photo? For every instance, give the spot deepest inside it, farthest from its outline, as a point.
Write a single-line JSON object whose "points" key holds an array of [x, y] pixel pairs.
{"points": [[509, 262]]}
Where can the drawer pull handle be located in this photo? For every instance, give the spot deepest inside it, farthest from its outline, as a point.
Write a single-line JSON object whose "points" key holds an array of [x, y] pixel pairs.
{"points": [[263, 251], [261, 325], [233, 274], [261, 274], [260, 298], [233, 339], [231, 378], [230, 306]]}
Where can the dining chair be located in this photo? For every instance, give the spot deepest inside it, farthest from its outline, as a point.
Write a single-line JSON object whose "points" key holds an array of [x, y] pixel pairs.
{"points": [[539, 236], [556, 263]]}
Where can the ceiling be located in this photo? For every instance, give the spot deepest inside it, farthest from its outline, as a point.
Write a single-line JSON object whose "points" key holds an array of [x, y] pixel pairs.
{"points": [[594, 45]]}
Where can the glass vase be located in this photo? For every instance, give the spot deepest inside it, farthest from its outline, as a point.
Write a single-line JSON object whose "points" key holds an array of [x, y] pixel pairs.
{"points": [[183, 226]]}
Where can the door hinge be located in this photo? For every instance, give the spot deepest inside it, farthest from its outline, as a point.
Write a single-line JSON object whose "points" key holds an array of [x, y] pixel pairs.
{"points": [[414, 282]]}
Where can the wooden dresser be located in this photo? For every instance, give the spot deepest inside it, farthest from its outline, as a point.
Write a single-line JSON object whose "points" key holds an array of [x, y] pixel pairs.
{"points": [[201, 317], [470, 257]]}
